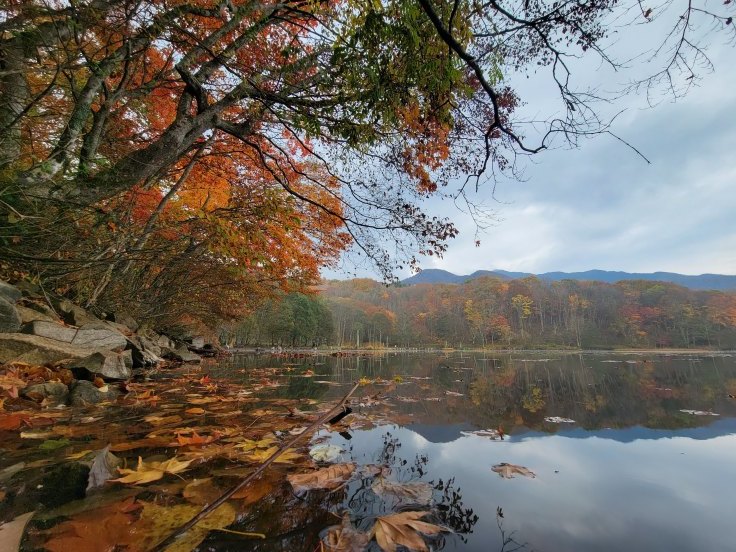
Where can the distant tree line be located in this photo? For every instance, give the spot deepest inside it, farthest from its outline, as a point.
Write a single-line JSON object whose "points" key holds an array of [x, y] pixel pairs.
{"points": [[494, 313]]}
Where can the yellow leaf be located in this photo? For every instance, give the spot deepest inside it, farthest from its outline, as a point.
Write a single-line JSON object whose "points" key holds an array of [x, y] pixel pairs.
{"points": [[261, 455], [147, 472]]}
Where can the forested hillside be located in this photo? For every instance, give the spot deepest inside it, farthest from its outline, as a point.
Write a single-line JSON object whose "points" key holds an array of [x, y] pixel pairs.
{"points": [[490, 312]]}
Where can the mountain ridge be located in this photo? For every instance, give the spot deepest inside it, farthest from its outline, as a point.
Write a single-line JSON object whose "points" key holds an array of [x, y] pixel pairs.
{"points": [[708, 281]]}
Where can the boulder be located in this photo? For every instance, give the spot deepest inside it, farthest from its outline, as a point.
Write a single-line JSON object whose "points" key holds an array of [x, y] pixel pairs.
{"points": [[35, 349], [29, 314], [85, 392], [198, 342], [9, 293], [9, 318], [164, 341], [144, 352], [55, 391], [99, 335], [74, 314], [125, 319], [107, 364], [181, 354], [50, 330]]}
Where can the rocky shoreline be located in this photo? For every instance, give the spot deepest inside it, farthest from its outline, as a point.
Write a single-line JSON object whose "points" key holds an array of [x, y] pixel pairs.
{"points": [[85, 351]]}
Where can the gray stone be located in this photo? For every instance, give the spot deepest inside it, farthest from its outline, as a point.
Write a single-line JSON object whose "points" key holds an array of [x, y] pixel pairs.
{"points": [[125, 319], [85, 392], [74, 314], [35, 349], [163, 341], [50, 330], [198, 342], [186, 356], [28, 314], [9, 318], [55, 391], [9, 292], [142, 356], [98, 335], [107, 364]]}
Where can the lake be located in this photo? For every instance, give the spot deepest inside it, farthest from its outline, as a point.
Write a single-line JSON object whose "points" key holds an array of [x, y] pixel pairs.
{"points": [[630, 452]]}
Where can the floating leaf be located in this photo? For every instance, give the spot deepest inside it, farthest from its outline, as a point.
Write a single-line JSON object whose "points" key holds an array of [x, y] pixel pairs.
{"points": [[11, 533], [261, 455], [403, 530], [151, 471], [155, 420], [201, 491], [102, 468], [195, 410], [507, 471], [329, 478]]}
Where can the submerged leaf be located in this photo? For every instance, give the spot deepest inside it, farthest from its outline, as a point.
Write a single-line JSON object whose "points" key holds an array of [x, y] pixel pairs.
{"points": [[345, 537], [416, 492], [403, 530], [329, 478], [325, 453], [507, 471]]}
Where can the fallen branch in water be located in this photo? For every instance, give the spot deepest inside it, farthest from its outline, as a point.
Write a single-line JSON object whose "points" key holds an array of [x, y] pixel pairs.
{"points": [[327, 416]]}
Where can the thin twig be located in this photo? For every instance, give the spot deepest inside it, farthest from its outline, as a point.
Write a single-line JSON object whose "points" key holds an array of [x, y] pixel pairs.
{"points": [[225, 496]]}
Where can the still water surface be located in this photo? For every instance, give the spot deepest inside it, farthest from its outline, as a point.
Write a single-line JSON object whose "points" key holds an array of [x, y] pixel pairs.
{"points": [[633, 472]]}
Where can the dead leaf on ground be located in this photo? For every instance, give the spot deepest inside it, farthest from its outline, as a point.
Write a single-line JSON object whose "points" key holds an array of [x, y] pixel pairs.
{"points": [[329, 478], [507, 471], [403, 530], [151, 471], [415, 492], [345, 537], [11, 533]]}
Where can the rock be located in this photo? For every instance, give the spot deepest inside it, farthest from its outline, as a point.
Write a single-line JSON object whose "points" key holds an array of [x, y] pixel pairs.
{"points": [[35, 349], [99, 335], [55, 391], [9, 292], [163, 341], [107, 364], [9, 318], [84, 392], [125, 319], [50, 330], [74, 314], [181, 354], [29, 314], [198, 342], [142, 352], [63, 483]]}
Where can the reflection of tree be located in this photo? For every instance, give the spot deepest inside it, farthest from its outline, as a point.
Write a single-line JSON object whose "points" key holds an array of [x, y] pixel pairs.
{"points": [[447, 508]]}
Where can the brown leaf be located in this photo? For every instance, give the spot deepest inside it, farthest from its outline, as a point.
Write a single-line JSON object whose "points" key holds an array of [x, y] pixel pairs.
{"points": [[345, 537], [416, 492], [98, 530], [330, 478], [507, 471], [201, 491], [403, 530]]}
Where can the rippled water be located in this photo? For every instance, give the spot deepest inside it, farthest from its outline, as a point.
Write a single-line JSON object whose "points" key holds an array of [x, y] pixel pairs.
{"points": [[637, 470]]}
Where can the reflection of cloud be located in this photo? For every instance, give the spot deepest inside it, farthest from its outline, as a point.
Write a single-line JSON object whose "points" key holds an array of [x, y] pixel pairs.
{"points": [[666, 494]]}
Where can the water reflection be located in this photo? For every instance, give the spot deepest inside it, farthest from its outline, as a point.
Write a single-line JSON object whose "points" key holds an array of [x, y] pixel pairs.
{"points": [[636, 471]]}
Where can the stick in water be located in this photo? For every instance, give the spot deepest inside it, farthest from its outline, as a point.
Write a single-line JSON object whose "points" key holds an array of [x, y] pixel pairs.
{"points": [[168, 541]]}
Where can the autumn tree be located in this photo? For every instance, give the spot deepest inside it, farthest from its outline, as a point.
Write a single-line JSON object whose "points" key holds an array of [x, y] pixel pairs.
{"points": [[181, 152]]}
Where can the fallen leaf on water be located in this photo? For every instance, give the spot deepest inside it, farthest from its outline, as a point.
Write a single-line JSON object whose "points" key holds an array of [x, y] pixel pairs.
{"points": [[508, 470], [158, 522], [195, 440], [36, 434], [151, 471], [261, 455], [11, 533], [102, 468], [258, 489], [155, 420], [201, 491], [195, 410], [329, 478], [325, 453], [345, 537], [151, 442], [10, 422], [403, 530], [415, 492]]}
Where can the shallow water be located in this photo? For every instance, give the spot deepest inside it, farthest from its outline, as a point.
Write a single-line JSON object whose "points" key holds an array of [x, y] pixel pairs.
{"points": [[632, 472]]}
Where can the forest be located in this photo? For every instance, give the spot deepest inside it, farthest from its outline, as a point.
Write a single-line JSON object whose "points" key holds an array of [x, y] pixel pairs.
{"points": [[494, 313]]}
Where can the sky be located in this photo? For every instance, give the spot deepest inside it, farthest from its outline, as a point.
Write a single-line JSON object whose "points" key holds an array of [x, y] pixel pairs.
{"points": [[601, 206]]}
